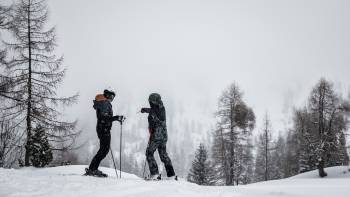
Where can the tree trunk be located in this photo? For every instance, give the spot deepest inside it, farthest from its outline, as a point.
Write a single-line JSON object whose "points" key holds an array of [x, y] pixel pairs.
{"points": [[321, 130], [29, 101], [224, 159], [266, 152], [320, 167], [232, 159]]}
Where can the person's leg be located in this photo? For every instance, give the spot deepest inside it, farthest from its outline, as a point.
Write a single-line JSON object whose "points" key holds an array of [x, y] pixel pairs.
{"points": [[166, 160], [105, 141], [152, 164]]}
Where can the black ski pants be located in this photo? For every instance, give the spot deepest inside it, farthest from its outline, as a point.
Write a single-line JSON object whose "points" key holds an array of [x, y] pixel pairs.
{"points": [[153, 167], [105, 142]]}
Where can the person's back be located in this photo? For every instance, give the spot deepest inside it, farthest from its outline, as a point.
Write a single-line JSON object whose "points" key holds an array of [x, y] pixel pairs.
{"points": [[157, 119], [104, 113]]}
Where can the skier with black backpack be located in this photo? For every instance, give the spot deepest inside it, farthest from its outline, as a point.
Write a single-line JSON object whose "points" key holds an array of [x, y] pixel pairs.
{"points": [[158, 138], [105, 118]]}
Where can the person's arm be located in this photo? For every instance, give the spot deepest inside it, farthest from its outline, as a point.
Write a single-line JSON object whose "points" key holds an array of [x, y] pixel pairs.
{"points": [[104, 113], [106, 117], [145, 110], [119, 118]]}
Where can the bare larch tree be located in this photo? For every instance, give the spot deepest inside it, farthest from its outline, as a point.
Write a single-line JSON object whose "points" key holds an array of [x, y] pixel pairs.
{"points": [[33, 73], [263, 163], [235, 122], [320, 129]]}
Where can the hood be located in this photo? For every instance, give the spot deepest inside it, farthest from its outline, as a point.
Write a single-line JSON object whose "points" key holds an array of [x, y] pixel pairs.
{"points": [[99, 99], [155, 100]]}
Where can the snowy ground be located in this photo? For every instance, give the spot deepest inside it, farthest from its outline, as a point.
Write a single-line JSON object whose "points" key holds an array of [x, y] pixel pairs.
{"points": [[67, 181]]}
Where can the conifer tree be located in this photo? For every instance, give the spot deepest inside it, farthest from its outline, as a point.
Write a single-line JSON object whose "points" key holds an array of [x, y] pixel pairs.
{"points": [[292, 154], [320, 129], [40, 150], [264, 164], [328, 113], [201, 171], [247, 162], [303, 136], [234, 127], [278, 159]]}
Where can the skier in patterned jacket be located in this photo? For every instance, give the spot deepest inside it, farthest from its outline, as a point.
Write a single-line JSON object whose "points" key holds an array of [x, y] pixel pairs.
{"points": [[158, 137], [105, 118]]}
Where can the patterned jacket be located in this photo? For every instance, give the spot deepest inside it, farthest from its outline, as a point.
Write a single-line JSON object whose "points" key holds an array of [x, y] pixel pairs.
{"points": [[157, 119]]}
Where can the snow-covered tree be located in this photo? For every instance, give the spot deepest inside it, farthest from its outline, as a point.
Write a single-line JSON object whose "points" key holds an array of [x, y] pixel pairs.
{"points": [[234, 127], [320, 129], [292, 154], [246, 169], [220, 158], [263, 163], [278, 159], [306, 153], [33, 73], [201, 171], [39, 148]]}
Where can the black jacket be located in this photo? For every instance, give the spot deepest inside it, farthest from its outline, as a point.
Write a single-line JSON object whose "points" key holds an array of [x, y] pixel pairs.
{"points": [[104, 113]]}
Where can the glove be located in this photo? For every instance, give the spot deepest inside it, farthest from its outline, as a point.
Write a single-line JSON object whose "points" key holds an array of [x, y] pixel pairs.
{"points": [[119, 118], [145, 110]]}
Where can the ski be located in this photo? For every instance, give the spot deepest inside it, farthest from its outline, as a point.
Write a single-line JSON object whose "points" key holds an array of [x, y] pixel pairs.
{"points": [[98, 176], [159, 178], [150, 178]]}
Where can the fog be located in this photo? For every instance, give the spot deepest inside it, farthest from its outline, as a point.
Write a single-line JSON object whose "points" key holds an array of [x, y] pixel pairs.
{"points": [[189, 51]]}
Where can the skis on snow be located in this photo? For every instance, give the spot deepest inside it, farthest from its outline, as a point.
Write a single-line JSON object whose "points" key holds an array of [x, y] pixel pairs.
{"points": [[153, 178], [159, 178]]}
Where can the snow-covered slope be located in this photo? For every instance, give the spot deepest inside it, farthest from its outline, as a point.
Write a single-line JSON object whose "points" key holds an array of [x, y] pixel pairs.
{"points": [[67, 181], [333, 173]]}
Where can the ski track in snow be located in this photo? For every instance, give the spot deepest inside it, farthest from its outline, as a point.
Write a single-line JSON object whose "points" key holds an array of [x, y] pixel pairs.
{"points": [[67, 181]]}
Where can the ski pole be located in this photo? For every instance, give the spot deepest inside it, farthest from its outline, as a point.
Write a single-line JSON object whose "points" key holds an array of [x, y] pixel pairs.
{"points": [[115, 167], [144, 165], [144, 169], [120, 152]]}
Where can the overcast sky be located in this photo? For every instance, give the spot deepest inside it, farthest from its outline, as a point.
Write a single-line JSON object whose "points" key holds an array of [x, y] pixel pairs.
{"points": [[191, 50]]}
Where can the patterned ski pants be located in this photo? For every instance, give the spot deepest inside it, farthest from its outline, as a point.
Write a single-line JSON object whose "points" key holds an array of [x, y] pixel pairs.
{"points": [[153, 167]]}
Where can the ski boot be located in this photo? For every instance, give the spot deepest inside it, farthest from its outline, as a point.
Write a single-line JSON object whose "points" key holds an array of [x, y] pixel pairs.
{"points": [[95, 173], [156, 177]]}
